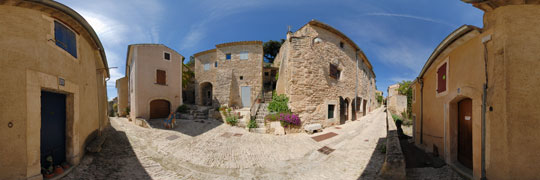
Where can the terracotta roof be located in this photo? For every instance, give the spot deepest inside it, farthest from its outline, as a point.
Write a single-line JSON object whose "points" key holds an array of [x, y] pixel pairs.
{"points": [[239, 43], [204, 52], [343, 36], [457, 34], [77, 17]]}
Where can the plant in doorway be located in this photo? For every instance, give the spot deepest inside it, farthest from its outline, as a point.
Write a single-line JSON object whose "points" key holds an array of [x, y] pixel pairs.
{"points": [[252, 123]]}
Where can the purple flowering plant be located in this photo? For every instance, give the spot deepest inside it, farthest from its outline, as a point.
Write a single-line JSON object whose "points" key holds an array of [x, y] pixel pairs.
{"points": [[287, 119]]}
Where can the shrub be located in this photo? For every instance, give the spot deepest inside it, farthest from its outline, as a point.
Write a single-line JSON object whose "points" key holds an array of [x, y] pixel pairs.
{"points": [[397, 119], [232, 120], [279, 104], [288, 119], [127, 110], [271, 117], [252, 123], [182, 108]]}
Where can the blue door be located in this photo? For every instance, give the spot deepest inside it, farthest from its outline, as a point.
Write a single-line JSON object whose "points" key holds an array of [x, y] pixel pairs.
{"points": [[246, 96], [53, 127]]}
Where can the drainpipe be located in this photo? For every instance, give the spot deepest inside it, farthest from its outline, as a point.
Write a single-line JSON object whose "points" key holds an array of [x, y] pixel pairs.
{"points": [[356, 90], [421, 110], [484, 97]]}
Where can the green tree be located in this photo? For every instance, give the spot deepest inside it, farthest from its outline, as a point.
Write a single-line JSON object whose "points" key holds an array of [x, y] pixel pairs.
{"points": [[271, 49], [187, 73], [405, 89]]}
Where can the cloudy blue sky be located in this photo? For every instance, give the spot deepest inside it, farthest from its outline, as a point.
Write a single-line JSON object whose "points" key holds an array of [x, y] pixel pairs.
{"points": [[397, 36]]}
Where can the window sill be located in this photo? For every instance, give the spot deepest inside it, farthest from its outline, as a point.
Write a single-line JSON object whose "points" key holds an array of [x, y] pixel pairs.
{"points": [[161, 84]]}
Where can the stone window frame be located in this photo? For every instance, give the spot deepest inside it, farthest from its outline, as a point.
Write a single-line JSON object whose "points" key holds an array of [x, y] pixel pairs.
{"points": [[52, 42], [170, 56], [445, 92], [246, 54], [335, 104], [228, 56]]}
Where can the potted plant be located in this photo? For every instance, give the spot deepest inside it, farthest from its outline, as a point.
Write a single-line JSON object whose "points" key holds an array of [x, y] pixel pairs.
{"points": [[65, 165], [58, 170]]}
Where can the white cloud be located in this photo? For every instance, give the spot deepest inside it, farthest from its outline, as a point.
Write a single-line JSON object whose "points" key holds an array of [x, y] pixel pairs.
{"points": [[412, 17], [405, 53]]}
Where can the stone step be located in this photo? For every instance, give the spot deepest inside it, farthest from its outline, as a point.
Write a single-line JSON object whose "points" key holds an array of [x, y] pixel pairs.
{"points": [[258, 130], [260, 125]]}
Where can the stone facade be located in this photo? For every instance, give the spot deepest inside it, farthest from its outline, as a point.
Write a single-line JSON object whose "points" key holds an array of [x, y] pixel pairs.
{"points": [[33, 66], [143, 63], [396, 102], [495, 70], [304, 76], [223, 79]]}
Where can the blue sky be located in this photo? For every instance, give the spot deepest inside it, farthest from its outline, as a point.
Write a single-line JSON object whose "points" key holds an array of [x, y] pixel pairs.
{"points": [[397, 36]]}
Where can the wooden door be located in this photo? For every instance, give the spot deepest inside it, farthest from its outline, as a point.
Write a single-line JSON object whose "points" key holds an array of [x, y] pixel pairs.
{"points": [[159, 109], [364, 108], [53, 127], [465, 132]]}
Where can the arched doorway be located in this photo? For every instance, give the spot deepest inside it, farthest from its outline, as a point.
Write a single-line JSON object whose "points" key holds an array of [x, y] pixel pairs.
{"points": [[465, 132], [206, 94], [159, 108], [343, 107]]}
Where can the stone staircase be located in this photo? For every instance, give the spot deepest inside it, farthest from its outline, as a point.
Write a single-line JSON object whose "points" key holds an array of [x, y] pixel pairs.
{"points": [[196, 112], [263, 111], [268, 96]]}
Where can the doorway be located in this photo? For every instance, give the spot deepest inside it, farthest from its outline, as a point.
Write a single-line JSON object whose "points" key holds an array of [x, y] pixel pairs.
{"points": [[206, 94], [465, 132], [246, 96], [53, 128], [159, 109], [364, 108], [343, 107]]}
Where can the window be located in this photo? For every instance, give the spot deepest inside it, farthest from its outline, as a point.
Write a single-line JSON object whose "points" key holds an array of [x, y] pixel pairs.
{"points": [[244, 55], [334, 71], [414, 93], [266, 74], [161, 77], [65, 38], [241, 77], [441, 78], [341, 45], [215, 64], [331, 109], [206, 67], [167, 56], [228, 56]]}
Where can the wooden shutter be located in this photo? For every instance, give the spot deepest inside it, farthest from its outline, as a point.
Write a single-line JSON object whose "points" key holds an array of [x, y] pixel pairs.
{"points": [[161, 77], [65, 38], [441, 79]]}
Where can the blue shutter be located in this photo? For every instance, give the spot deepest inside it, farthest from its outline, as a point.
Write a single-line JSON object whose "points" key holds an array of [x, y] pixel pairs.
{"points": [[65, 39]]}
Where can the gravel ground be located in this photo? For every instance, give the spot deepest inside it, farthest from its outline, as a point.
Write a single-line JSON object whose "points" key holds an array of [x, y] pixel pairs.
{"points": [[208, 149]]}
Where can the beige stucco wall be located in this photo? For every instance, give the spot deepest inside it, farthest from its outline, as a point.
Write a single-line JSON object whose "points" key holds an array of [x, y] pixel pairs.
{"points": [[304, 76], [31, 63], [147, 59], [512, 68], [122, 92], [225, 79]]}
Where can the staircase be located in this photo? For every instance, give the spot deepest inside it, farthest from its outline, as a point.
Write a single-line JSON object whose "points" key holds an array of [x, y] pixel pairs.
{"points": [[263, 111], [268, 96]]}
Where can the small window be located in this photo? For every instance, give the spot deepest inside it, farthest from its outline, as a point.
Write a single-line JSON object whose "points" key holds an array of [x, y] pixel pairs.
{"points": [[65, 38], [334, 71], [244, 55], [161, 77], [331, 109], [228, 56], [241, 77], [441, 79], [341, 45], [206, 67], [266, 74], [215, 64], [166, 56]]}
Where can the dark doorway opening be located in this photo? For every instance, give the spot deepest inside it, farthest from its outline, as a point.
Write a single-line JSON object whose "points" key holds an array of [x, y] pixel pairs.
{"points": [[53, 128], [343, 107], [465, 132], [206, 94], [364, 108]]}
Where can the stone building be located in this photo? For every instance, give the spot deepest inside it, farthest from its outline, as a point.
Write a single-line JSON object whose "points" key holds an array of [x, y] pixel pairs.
{"points": [[326, 76], [154, 75], [396, 102], [230, 74], [475, 101], [53, 95], [122, 95]]}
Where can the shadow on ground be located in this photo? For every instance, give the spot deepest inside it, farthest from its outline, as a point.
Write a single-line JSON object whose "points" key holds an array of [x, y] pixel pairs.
{"points": [[375, 162], [117, 160], [188, 127]]}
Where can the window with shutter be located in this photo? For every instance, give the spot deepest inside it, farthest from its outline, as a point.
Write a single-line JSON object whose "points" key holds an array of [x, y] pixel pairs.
{"points": [[65, 38], [161, 77], [441, 78], [244, 55], [334, 71], [167, 56]]}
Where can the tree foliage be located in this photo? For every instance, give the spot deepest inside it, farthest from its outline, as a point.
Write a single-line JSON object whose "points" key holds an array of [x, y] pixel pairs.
{"points": [[405, 89], [271, 49], [187, 73]]}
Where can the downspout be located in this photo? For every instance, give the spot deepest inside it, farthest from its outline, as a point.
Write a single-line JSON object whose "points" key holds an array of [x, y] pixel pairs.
{"points": [[421, 110], [356, 90], [484, 99]]}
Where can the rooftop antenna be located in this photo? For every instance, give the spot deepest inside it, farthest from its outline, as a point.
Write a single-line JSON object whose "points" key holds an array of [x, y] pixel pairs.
{"points": [[289, 28]]}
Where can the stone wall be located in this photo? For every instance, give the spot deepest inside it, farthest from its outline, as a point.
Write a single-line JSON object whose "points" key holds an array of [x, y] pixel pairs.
{"points": [[230, 74], [304, 76]]}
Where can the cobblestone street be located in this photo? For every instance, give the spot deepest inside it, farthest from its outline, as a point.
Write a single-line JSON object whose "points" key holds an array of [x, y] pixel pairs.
{"points": [[207, 149]]}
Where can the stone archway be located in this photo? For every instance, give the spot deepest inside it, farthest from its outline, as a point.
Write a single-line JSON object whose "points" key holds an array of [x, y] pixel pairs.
{"points": [[206, 93]]}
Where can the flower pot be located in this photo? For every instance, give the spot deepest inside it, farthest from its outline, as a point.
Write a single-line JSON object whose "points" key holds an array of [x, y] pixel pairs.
{"points": [[58, 170], [48, 176]]}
